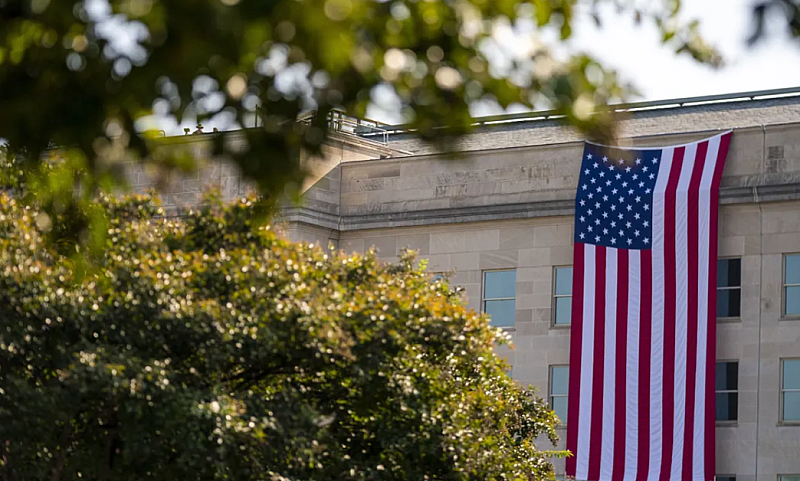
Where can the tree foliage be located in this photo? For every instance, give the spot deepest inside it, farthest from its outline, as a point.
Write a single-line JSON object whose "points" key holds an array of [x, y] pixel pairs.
{"points": [[208, 348]]}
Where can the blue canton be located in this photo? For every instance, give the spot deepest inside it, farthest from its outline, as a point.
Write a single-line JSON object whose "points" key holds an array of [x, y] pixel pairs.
{"points": [[614, 204]]}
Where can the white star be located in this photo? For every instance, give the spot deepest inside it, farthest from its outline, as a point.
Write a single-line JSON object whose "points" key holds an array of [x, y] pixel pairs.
{"points": [[644, 169], [610, 167], [589, 228], [586, 171], [613, 241], [583, 219], [621, 233], [624, 184], [590, 195], [590, 212], [583, 202], [614, 191], [619, 216], [583, 187], [647, 191], [621, 161], [636, 216], [602, 174], [641, 184], [655, 161], [597, 238], [646, 240], [613, 207], [605, 231], [592, 180], [627, 169], [646, 224], [621, 199], [599, 189], [652, 176], [627, 224], [608, 182], [636, 233], [596, 165], [605, 198], [638, 161], [635, 176], [646, 207], [605, 215], [582, 235], [630, 191], [605, 159], [597, 205], [589, 156], [597, 222], [629, 207], [630, 241], [618, 176], [613, 224], [638, 199]]}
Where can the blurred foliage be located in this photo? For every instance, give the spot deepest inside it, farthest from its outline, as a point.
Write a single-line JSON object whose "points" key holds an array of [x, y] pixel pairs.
{"points": [[788, 12], [207, 348], [90, 75]]}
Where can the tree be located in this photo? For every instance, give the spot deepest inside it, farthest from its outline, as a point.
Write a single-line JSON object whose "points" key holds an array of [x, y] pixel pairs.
{"points": [[84, 75], [208, 348]]}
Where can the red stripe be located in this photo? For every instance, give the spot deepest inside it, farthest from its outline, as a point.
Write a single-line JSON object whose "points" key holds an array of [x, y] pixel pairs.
{"points": [[645, 335], [712, 308], [668, 378], [596, 430], [691, 321], [620, 428], [573, 408]]}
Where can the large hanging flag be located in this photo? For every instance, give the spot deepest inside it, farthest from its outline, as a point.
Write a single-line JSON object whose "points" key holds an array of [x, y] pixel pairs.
{"points": [[642, 347]]}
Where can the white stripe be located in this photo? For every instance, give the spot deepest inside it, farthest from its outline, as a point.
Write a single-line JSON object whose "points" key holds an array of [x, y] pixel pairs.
{"points": [[632, 366], [657, 341], [587, 365], [703, 283], [609, 366], [681, 308]]}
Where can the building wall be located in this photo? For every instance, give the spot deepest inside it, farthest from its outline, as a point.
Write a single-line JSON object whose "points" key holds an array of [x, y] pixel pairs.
{"points": [[511, 208]]}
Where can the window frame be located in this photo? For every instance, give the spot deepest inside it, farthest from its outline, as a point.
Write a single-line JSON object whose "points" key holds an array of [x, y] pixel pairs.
{"points": [[728, 422], [784, 285], [550, 395], [732, 318], [484, 299], [781, 419], [782, 477], [554, 297]]}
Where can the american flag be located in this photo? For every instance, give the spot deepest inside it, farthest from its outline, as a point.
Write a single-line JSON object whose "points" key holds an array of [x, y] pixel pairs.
{"points": [[642, 347]]}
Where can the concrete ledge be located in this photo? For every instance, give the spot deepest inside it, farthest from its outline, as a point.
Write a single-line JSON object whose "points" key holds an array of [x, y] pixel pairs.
{"points": [[457, 215]]}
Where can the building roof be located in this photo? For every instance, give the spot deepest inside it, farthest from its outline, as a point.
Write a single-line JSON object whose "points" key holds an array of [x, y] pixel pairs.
{"points": [[687, 115]]}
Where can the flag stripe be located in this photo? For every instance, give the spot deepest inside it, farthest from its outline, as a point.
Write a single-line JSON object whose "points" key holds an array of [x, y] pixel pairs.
{"points": [[609, 364], [586, 371], [631, 447], [645, 348], [621, 358], [692, 317], [595, 449], [575, 351]]}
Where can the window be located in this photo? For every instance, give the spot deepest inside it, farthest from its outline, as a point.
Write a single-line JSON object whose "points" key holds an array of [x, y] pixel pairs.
{"points": [[789, 477], [791, 285], [729, 287], [725, 477], [562, 296], [437, 276], [499, 291], [727, 391], [790, 390], [559, 387]]}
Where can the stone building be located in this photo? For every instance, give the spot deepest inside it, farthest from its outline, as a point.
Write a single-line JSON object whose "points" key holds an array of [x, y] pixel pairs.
{"points": [[498, 216]]}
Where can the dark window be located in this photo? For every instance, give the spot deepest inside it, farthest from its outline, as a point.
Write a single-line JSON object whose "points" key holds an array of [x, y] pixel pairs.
{"points": [[727, 391], [725, 477], [791, 285], [790, 390], [559, 389], [562, 296], [499, 293], [729, 287]]}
